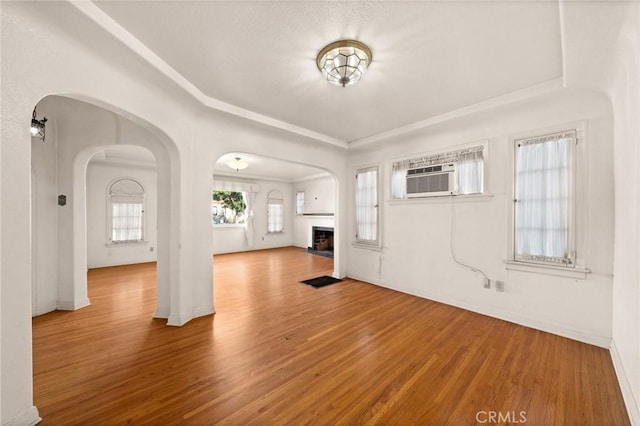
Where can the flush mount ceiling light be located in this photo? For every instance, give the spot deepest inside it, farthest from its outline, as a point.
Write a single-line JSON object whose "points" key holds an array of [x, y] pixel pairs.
{"points": [[237, 164], [344, 62], [37, 126]]}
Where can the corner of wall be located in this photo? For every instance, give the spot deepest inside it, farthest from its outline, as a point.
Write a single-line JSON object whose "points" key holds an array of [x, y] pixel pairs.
{"points": [[625, 387]]}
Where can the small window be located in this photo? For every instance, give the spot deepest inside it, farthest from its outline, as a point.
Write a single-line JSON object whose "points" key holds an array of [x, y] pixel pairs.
{"points": [[275, 212], [126, 212], [228, 207], [367, 206], [543, 199], [300, 202]]}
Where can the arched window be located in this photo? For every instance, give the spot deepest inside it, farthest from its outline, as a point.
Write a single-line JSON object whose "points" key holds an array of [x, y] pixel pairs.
{"points": [[275, 212], [125, 211]]}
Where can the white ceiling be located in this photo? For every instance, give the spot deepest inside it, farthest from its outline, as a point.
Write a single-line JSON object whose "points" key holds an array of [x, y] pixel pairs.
{"points": [[429, 58], [266, 168]]}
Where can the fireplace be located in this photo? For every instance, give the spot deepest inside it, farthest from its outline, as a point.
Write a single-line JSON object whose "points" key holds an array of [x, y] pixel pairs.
{"points": [[322, 241]]}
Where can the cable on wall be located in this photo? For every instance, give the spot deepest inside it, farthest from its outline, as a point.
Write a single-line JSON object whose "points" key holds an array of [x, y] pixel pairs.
{"points": [[452, 226]]}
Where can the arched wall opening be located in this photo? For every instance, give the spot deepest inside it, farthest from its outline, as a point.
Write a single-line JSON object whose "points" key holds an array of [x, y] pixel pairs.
{"points": [[266, 174], [77, 131]]}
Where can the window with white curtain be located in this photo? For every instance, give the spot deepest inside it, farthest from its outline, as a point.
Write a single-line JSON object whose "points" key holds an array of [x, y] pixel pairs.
{"points": [[469, 170], [275, 212], [543, 199], [367, 206], [300, 202], [126, 211]]}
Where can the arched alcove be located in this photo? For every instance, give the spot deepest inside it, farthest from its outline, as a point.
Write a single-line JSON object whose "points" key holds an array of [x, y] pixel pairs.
{"points": [[76, 132]]}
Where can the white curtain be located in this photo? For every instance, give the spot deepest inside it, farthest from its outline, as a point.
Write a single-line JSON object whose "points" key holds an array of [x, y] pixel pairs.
{"points": [[399, 180], [126, 221], [469, 164], [470, 173], [367, 205], [542, 199], [275, 216]]}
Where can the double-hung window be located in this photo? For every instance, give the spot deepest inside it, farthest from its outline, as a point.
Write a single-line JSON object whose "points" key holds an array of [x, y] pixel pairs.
{"points": [[126, 212], [275, 212], [367, 211], [544, 199], [300, 202]]}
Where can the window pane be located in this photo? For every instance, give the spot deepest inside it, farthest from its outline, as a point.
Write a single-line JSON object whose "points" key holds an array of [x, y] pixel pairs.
{"points": [[470, 173], [228, 207], [276, 218], [300, 203], [543, 203], [126, 222], [367, 205]]}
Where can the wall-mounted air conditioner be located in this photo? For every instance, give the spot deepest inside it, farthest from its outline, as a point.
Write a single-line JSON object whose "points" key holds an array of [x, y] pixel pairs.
{"points": [[431, 181]]}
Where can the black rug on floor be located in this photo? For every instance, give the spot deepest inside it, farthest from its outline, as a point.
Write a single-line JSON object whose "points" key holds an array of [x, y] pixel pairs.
{"points": [[321, 281]]}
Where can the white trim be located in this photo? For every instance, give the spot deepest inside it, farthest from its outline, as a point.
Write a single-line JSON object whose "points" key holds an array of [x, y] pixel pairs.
{"points": [[547, 269], [505, 315], [518, 95], [441, 199], [579, 190], [625, 387], [178, 320], [74, 305], [377, 244], [28, 418], [107, 23]]}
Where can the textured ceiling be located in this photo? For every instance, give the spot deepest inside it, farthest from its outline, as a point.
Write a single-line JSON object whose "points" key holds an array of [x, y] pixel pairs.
{"points": [[429, 58]]}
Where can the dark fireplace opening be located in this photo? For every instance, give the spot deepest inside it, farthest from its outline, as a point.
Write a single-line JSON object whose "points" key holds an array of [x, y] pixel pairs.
{"points": [[322, 241]]}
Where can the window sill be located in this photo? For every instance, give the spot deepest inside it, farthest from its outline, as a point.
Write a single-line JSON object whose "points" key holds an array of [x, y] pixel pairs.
{"points": [[559, 271], [367, 246], [441, 199], [228, 226], [128, 244]]}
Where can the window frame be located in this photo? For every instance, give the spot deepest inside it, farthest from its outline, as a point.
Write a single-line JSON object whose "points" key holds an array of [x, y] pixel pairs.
{"points": [[223, 209], [368, 243], [484, 143], [577, 219], [299, 206], [275, 197], [137, 199]]}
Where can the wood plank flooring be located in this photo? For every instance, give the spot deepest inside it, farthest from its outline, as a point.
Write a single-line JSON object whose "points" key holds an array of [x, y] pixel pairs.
{"points": [[280, 352]]}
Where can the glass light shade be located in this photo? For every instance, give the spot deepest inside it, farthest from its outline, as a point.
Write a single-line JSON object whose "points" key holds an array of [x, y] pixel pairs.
{"points": [[237, 164], [344, 62]]}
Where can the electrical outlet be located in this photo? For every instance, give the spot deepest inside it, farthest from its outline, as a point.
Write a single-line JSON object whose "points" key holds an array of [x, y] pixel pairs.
{"points": [[486, 283], [499, 285]]}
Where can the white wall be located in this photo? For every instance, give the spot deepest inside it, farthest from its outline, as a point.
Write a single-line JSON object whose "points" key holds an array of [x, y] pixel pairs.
{"points": [[232, 238], [83, 61], [625, 96], [319, 207], [99, 176], [415, 234], [44, 212]]}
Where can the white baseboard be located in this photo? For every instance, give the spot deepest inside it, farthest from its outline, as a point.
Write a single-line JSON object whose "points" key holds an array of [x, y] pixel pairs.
{"points": [[203, 311], [72, 305], [178, 320], [41, 310], [514, 317], [28, 418], [625, 386], [161, 314]]}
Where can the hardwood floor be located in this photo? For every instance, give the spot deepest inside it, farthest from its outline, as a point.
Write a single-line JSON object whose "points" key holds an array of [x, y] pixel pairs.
{"points": [[279, 352]]}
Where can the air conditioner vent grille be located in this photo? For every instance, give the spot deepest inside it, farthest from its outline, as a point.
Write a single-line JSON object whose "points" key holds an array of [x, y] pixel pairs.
{"points": [[429, 183]]}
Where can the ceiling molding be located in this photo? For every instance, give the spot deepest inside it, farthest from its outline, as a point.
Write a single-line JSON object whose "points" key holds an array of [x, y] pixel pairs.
{"points": [[104, 21], [244, 176], [519, 95]]}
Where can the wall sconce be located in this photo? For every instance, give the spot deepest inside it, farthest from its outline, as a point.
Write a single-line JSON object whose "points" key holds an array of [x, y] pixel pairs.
{"points": [[37, 126]]}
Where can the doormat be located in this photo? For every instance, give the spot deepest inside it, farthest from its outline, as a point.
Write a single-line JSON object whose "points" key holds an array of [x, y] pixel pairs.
{"points": [[321, 281]]}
